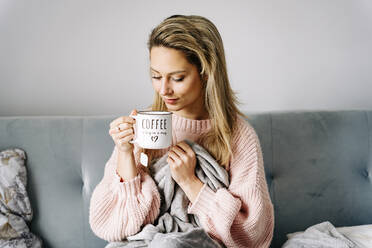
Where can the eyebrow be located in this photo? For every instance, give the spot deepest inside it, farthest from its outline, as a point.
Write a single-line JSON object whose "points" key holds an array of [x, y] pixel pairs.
{"points": [[174, 72]]}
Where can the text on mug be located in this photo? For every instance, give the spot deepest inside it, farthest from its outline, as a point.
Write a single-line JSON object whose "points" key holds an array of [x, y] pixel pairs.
{"points": [[154, 124]]}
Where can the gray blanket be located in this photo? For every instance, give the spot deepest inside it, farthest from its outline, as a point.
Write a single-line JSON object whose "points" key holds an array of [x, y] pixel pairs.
{"points": [[175, 227], [15, 207], [323, 235]]}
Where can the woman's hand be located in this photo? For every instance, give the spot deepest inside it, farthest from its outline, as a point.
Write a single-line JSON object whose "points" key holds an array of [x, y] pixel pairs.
{"points": [[182, 162], [121, 131]]}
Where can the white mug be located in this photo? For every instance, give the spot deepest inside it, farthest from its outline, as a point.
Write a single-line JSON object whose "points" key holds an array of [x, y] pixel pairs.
{"points": [[153, 129]]}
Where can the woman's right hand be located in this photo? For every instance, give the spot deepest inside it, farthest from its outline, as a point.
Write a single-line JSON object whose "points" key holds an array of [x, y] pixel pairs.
{"points": [[121, 131]]}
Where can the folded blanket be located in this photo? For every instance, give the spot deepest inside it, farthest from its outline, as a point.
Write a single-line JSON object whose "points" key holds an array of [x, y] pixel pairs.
{"points": [[175, 227], [361, 235], [321, 235], [15, 207]]}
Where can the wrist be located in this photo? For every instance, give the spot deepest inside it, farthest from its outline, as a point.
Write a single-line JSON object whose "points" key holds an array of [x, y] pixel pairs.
{"points": [[117, 173], [125, 152], [189, 182], [126, 167], [192, 188]]}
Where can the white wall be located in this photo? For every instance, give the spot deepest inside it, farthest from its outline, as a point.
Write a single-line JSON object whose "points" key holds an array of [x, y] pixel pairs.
{"points": [[90, 57]]}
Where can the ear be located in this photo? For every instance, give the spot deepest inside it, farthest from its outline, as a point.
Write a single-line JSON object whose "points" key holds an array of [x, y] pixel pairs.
{"points": [[205, 77]]}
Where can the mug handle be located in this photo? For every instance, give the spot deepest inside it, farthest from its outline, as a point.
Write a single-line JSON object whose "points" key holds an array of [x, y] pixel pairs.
{"points": [[134, 141]]}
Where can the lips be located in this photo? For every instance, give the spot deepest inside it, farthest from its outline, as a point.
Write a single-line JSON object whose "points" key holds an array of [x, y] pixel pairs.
{"points": [[171, 101]]}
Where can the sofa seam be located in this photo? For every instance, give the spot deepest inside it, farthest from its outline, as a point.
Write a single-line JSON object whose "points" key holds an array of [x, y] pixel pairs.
{"points": [[369, 138], [82, 179], [272, 158]]}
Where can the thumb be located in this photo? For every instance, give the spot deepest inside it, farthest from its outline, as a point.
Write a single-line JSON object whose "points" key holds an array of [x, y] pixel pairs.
{"points": [[134, 112]]}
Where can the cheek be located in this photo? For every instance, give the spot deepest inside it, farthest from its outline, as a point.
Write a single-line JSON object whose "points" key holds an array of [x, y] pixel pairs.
{"points": [[188, 88], [191, 90]]}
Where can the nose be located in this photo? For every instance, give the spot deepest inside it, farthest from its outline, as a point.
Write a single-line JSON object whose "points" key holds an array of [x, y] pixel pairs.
{"points": [[166, 88]]}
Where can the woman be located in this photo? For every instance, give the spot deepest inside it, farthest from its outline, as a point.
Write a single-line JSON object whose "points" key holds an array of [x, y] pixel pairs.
{"points": [[188, 71]]}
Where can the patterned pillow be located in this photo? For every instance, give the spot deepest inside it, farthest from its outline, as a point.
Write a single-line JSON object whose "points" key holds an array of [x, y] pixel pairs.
{"points": [[15, 207], [13, 181]]}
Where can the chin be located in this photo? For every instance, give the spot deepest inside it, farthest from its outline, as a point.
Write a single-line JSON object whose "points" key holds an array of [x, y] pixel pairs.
{"points": [[171, 107]]}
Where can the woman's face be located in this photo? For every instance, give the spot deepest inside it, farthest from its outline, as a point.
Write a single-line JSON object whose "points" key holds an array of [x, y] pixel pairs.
{"points": [[177, 82]]}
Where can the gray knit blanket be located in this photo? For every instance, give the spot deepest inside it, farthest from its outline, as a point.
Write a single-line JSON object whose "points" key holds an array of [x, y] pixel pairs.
{"points": [[175, 227]]}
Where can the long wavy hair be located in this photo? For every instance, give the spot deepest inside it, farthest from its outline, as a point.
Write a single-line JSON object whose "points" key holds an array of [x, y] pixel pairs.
{"points": [[201, 43]]}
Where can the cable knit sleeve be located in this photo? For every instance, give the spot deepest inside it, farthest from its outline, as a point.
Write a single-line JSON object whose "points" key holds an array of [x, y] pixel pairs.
{"points": [[242, 215], [119, 209]]}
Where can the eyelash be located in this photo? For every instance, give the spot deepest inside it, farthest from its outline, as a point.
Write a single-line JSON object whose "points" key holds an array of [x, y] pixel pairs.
{"points": [[177, 80]]}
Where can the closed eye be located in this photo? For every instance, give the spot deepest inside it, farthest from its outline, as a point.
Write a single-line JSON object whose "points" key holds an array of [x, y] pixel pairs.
{"points": [[178, 79], [175, 79]]}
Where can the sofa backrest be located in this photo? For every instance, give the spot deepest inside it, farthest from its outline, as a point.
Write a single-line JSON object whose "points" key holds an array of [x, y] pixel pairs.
{"points": [[318, 168]]}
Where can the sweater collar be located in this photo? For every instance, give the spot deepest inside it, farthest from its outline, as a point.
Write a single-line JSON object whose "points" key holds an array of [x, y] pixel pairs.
{"points": [[180, 123]]}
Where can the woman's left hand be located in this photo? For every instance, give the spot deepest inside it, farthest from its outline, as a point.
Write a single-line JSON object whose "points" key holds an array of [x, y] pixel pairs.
{"points": [[182, 161]]}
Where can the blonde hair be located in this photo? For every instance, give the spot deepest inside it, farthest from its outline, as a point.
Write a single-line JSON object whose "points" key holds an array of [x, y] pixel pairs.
{"points": [[201, 43]]}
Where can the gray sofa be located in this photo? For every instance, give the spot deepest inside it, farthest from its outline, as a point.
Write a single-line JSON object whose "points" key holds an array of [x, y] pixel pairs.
{"points": [[318, 167]]}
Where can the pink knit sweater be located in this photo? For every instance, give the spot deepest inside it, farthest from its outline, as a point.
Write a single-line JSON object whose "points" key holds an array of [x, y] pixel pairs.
{"points": [[240, 216]]}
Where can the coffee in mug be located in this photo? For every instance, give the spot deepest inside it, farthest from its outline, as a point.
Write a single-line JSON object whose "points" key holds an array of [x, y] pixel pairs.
{"points": [[153, 129]]}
